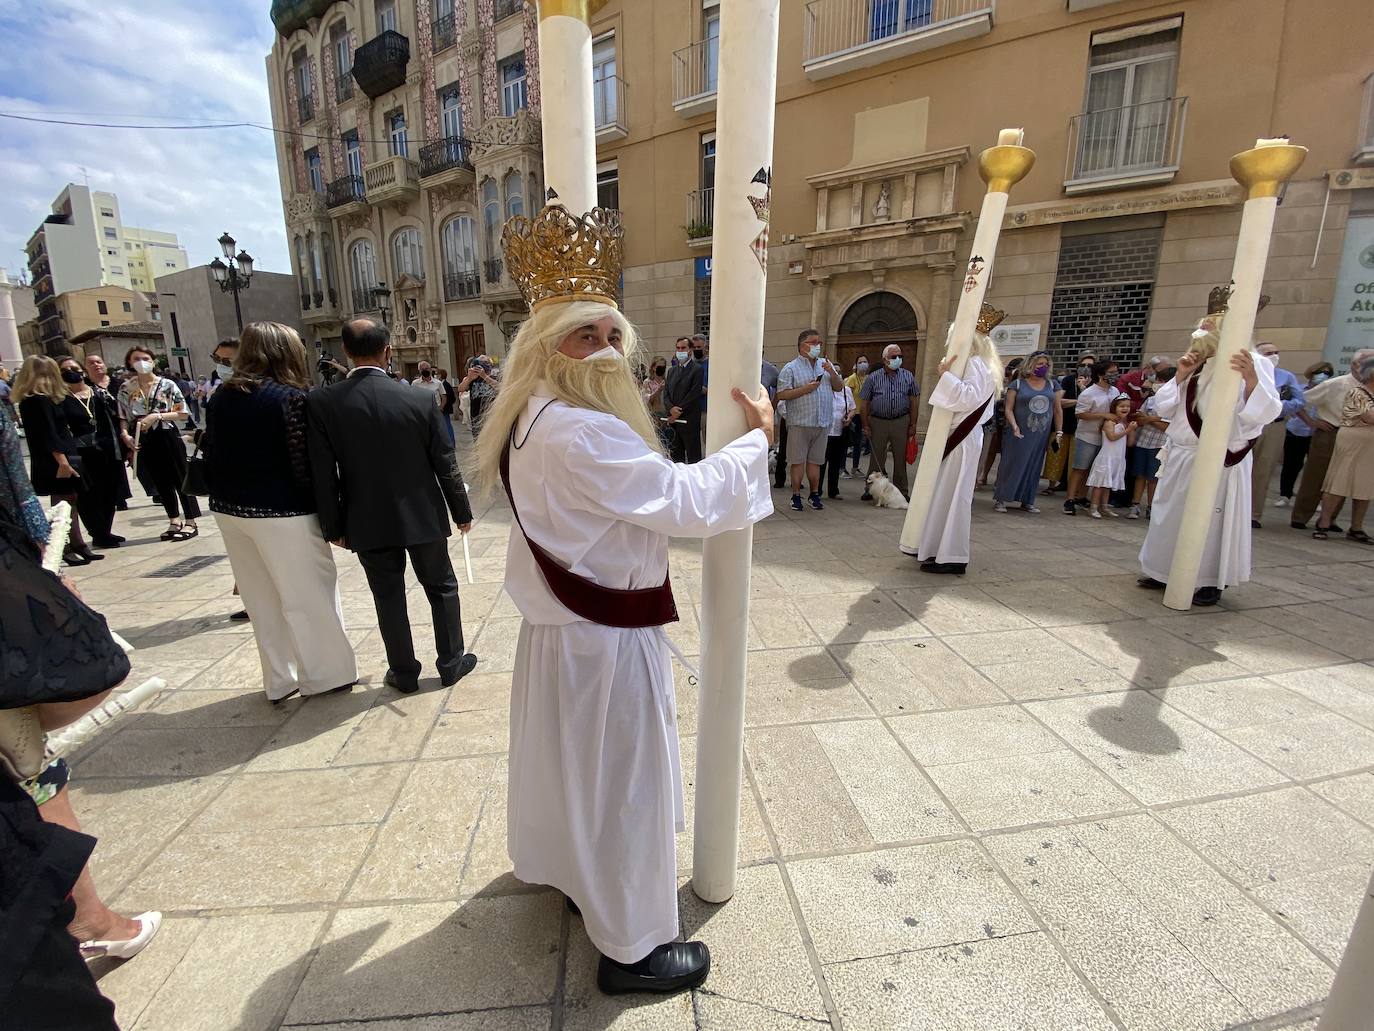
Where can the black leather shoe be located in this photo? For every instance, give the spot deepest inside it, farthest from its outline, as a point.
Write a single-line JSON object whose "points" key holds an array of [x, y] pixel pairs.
{"points": [[391, 680], [107, 542], [1297, 525], [1150, 583], [1255, 524], [465, 666], [928, 566], [952, 568], [673, 967], [239, 616], [571, 906], [1206, 596]]}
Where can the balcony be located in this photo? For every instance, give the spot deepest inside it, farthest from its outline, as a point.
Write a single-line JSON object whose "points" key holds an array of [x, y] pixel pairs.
{"points": [[347, 191], [846, 35], [42, 291], [463, 286], [445, 160], [509, 8], [1364, 148], [494, 268], [1127, 146], [701, 214], [445, 32], [343, 87], [305, 108], [364, 299], [608, 106], [379, 64], [323, 307], [392, 180], [694, 78]]}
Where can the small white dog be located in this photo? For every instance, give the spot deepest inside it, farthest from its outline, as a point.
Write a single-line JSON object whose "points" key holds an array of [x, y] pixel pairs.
{"points": [[884, 494]]}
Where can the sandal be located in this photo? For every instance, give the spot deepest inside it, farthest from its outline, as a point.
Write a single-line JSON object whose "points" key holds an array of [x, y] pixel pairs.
{"points": [[186, 533], [1359, 537], [1319, 534], [170, 534]]}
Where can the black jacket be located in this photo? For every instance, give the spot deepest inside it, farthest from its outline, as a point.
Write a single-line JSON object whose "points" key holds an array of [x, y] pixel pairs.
{"points": [[683, 389], [256, 460], [385, 472]]}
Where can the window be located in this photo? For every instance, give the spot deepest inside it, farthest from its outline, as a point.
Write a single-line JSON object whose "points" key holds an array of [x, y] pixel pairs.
{"points": [[104, 322], [170, 264], [453, 113], [443, 9], [491, 218], [708, 161], [127, 306], [362, 274], [888, 17], [608, 186], [314, 169], [111, 251], [604, 99], [1128, 101], [327, 251], [111, 233], [459, 240], [302, 73], [514, 96], [386, 16], [102, 307], [515, 194], [106, 213], [396, 129], [353, 153], [712, 37], [343, 51], [407, 254]]}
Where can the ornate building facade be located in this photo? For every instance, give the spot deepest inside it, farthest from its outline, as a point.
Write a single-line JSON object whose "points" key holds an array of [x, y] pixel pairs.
{"points": [[412, 134]]}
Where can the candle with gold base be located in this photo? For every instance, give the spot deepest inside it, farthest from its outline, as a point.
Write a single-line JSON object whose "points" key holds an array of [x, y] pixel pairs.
{"points": [[569, 119]]}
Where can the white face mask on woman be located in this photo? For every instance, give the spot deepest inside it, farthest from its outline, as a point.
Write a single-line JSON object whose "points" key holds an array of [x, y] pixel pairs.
{"points": [[143, 366]]}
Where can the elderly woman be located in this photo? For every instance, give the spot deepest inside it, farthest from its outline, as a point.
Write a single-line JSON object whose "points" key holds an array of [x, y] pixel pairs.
{"points": [[1033, 414], [1351, 472]]}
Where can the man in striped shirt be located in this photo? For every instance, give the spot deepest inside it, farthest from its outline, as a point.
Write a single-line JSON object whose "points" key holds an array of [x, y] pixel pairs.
{"points": [[889, 416]]}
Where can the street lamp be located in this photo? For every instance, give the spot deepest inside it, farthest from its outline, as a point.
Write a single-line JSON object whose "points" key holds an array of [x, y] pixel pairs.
{"points": [[235, 275], [381, 296]]}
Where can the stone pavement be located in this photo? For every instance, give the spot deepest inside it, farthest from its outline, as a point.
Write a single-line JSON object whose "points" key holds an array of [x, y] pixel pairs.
{"points": [[1028, 798]]}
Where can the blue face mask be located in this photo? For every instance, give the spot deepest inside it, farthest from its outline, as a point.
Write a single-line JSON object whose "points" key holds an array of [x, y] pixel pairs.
{"points": [[815, 351], [1321, 377], [894, 363]]}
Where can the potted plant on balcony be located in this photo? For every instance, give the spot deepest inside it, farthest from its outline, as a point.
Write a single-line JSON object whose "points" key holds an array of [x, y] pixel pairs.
{"points": [[699, 231]]}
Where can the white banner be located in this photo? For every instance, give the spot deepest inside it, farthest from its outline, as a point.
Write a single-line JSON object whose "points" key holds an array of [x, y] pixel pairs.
{"points": [[1352, 308], [1013, 339]]}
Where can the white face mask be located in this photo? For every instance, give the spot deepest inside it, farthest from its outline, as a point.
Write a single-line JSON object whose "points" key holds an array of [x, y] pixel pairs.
{"points": [[1274, 358], [861, 367], [223, 371], [143, 366], [815, 351], [894, 363], [682, 356], [607, 353]]}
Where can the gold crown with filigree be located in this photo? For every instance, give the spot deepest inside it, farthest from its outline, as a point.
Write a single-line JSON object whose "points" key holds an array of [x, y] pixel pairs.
{"points": [[1220, 298], [556, 256], [989, 318]]}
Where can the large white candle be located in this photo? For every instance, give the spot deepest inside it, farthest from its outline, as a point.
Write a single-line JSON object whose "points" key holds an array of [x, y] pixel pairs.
{"points": [[569, 121]]}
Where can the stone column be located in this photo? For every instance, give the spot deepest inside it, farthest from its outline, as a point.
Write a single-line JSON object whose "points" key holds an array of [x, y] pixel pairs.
{"points": [[937, 326], [10, 353], [820, 303]]}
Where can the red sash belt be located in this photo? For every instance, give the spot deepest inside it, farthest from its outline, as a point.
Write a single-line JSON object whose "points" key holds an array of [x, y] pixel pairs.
{"points": [[1195, 420], [965, 428], [608, 606]]}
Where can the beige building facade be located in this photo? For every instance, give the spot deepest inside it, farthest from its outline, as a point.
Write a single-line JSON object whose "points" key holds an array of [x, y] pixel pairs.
{"points": [[1127, 220]]}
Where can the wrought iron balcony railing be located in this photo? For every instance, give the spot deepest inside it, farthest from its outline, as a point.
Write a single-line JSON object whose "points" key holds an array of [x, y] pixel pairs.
{"points": [[445, 32], [343, 86], [463, 285], [379, 64], [305, 108], [1125, 143], [450, 152], [701, 213], [508, 8], [694, 72], [608, 105], [344, 190], [836, 28], [364, 299], [494, 268]]}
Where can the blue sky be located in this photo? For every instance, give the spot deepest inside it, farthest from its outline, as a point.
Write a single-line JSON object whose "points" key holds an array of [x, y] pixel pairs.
{"points": [[145, 62]]}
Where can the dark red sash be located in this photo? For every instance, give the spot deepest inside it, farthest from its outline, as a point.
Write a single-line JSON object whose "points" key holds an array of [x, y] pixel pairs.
{"points": [[1195, 420], [965, 428], [608, 606]]}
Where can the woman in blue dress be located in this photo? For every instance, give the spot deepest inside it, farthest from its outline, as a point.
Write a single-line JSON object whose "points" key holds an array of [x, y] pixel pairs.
{"points": [[1033, 413]]}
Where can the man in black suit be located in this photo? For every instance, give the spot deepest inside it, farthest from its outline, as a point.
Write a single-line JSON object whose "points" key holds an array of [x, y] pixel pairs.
{"points": [[386, 482], [682, 399]]}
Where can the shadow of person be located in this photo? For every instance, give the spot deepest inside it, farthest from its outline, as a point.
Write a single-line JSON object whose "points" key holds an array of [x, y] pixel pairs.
{"points": [[1135, 724], [871, 615]]}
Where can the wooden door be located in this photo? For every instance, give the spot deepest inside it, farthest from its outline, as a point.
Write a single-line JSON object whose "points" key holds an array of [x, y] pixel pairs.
{"points": [[468, 342]]}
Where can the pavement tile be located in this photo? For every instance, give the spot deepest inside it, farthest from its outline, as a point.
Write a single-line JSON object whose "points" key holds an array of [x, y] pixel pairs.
{"points": [[1346, 689], [515, 1018], [1012, 983], [1016, 790], [715, 1013], [894, 801], [423, 842], [1246, 702], [189, 707], [494, 644], [251, 867], [479, 691], [777, 977], [769, 702], [481, 732], [1342, 632], [1311, 746], [304, 798], [144, 750], [778, 623], [914, 676], [585, 1008], [1152, 751], [489, 868], [968, 735], [316, 734], [851, 618], [904, 899], [1003, 647], [131, 986], [804, 798], [1320, 906], [1055, 603], [1148, 657], [961, 609], [753, 836], [238, 972], [1354, 794], [394, 728], [1167, 942], [394, 961]]}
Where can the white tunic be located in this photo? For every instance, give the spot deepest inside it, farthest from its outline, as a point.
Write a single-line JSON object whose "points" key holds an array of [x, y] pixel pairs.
{"points": [[945, 536], [1226, 553], [595, 781]]}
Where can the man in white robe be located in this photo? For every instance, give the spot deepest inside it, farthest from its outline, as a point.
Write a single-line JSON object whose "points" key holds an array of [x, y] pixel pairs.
{"points": [[595, 784], [944, 546], [1226, 553]]}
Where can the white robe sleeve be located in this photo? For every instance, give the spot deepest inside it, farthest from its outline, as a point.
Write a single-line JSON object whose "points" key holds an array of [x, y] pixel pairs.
{"points": [[963, 395], [612, 471], [1263, 406], [1167, 398]]}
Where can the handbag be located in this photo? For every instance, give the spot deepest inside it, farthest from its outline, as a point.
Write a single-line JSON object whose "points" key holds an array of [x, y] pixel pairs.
{"points": [[196, 484], [911, 451]]}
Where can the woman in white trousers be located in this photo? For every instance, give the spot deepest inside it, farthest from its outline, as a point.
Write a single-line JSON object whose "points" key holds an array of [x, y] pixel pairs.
{"points": [[259, 476]]}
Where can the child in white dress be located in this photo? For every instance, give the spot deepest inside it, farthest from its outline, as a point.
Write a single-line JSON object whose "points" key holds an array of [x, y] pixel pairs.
{"points": [[1109, 467]]}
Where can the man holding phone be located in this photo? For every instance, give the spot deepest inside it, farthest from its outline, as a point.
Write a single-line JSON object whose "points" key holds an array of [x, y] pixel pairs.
{"points": [[807, 383]]}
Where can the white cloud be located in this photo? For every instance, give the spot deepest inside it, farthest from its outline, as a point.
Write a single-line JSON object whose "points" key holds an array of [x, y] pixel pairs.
{"points": [[144, 62]]}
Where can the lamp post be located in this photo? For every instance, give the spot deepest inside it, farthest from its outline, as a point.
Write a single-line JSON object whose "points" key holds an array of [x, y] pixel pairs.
{"points": [[381, 296], [233, 276]]}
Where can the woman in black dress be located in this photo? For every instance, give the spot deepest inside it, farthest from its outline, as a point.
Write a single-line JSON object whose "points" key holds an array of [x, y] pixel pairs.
{"points": [[54, 456], [93, 418]]}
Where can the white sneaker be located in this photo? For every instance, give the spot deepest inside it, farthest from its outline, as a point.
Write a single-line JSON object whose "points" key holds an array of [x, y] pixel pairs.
{"points": [[1031, 509], [1281, 503], [1114, 513], [1134, 513], [999, 506], [1096, 514]]}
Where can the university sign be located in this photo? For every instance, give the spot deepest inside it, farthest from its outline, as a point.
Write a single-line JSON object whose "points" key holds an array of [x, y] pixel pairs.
{"points": [[1351, 326]]}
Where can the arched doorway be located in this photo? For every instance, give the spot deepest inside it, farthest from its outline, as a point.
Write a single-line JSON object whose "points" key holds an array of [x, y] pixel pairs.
{"points": [[874, 321]]}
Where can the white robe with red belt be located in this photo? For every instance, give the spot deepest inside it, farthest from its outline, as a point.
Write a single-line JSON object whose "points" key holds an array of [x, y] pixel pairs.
{"points": [[595, 778], [945, 537]]}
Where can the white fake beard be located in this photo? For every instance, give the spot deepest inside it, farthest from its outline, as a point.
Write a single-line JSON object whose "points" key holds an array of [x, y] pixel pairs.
{"points": [[603, 385]]}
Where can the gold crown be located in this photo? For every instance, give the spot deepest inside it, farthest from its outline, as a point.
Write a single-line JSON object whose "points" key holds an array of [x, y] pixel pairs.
{"points": [[989, 318], [1220, 297], [557, 256]]}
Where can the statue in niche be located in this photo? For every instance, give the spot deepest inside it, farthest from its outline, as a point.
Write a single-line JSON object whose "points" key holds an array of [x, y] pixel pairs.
{"points": [[410, 309], [883, 207]]}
